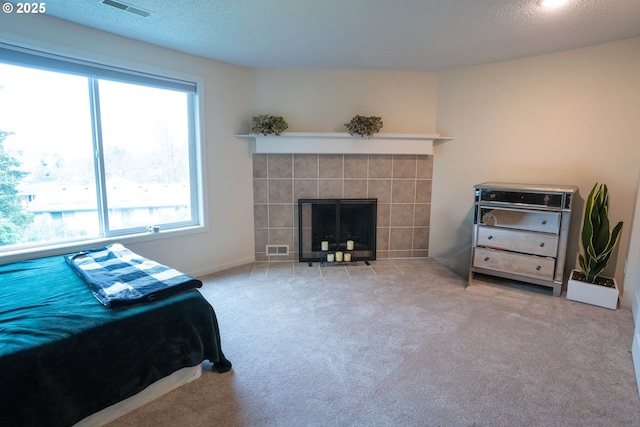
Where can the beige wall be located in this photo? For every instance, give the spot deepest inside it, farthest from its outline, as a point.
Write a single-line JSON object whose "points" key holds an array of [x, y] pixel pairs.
{"points": [[226, 100], [566, 118], [323, 100]]}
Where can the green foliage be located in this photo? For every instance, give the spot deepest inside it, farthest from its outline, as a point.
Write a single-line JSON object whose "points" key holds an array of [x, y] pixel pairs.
{"points": [[13, 219], [268, 125], [364, 126], [598, 242]]}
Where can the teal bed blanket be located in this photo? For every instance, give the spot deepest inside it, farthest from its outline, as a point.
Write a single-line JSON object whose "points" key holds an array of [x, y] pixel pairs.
{"points": [[64, 356]]}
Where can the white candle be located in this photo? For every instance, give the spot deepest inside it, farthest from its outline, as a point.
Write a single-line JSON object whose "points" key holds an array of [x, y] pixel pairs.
{"points": [[347, 257], [329, 257], [324, 245], [338, 256], [349, 245]]}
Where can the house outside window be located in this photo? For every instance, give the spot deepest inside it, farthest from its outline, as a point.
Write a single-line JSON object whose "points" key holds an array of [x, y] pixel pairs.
{"points": [[90, 151]]}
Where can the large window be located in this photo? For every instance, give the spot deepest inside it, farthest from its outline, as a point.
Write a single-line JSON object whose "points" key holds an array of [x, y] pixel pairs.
{"points": [[89, 151]]}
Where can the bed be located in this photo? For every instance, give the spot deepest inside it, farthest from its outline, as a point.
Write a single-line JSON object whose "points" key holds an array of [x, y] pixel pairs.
{"points": [[64, 356]]}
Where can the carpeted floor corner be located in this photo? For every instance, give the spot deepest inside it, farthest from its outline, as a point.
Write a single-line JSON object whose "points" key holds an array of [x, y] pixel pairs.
{"points": [[403, 343]]}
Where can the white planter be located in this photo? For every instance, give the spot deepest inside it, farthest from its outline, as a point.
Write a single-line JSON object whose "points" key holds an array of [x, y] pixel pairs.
{"points": [[589, 293]]}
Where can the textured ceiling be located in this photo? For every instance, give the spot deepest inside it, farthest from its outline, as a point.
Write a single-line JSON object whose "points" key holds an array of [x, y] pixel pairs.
{"points": [[427, 35]]}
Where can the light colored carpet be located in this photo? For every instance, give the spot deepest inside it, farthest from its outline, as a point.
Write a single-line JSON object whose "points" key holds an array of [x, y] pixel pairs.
{"points": [[403, 343]]}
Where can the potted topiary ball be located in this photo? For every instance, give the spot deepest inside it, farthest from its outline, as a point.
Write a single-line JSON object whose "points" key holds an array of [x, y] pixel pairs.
{"points": [[364, 126], [267, 124]]}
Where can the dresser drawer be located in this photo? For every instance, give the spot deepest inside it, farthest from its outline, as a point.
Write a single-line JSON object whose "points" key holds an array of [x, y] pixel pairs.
{"points": [[526, 265], [519, 241], [546, 222]]}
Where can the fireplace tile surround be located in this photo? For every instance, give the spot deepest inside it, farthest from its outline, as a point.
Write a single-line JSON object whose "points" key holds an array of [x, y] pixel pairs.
{"points": [[401, 183]]}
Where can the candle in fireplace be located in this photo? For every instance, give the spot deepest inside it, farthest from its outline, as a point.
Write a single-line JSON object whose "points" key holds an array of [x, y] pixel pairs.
{"points": [[324, 245], [349, 245], [338, 256]]}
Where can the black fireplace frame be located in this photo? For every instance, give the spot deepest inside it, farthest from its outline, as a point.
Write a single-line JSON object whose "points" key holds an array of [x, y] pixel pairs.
{"points": [[358, 254]]}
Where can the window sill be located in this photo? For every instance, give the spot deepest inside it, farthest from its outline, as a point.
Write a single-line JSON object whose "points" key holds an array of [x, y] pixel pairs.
{"points": [[71, 247]]}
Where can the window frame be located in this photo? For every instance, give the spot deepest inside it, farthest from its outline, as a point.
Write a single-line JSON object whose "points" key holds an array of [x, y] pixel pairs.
{"points": [[133, 74]]}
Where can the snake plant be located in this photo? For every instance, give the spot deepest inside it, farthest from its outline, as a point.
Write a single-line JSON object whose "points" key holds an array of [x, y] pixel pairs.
{"points": [[598, 242]]}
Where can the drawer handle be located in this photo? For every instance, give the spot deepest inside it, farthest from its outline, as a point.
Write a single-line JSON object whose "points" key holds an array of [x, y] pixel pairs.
{"points": [[538, 268], [486, 258], [544, 221], [490, 237], [542, 245]]}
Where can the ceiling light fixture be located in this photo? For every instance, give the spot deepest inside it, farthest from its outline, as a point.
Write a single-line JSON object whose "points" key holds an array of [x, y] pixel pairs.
{"points": [[552, 4]]}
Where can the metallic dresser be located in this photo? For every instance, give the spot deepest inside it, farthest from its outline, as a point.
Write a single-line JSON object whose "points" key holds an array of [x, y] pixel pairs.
{"points": [[520, 232]]}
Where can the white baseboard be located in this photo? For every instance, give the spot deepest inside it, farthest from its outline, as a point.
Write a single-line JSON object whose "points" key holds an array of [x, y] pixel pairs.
{"points": [[221, 267], [635, 355]]}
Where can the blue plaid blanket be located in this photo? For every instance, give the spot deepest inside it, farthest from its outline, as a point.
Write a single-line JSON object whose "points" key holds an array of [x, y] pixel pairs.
{"points": [[117, 276]]}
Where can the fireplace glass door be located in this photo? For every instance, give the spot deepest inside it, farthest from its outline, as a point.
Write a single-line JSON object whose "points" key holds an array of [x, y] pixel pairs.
{"points": [[326, 226]]}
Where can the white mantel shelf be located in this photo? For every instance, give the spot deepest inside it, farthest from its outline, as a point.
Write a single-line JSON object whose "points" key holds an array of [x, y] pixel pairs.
{"points": [[344, 143]]}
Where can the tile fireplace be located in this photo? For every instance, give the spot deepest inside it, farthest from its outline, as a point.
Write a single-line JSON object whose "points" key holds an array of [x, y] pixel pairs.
{"points": [[401, 183]]}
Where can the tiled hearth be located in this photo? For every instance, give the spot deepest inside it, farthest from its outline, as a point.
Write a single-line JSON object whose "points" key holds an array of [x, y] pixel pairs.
{"points": [[401, 183]]}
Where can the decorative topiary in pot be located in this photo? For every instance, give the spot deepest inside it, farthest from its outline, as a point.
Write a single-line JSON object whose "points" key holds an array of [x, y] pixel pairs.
{"points": [[267, 124], [364, 126]]}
